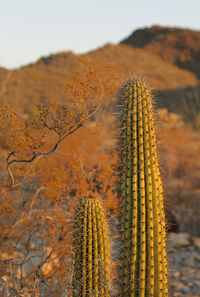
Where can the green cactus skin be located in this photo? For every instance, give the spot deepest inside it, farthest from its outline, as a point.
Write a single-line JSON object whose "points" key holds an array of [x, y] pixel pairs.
{"points": [[143, 221], [91, 275]]}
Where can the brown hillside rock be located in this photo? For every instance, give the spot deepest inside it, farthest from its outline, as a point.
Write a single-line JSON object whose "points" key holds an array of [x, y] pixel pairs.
{"points": [[178, 46]]}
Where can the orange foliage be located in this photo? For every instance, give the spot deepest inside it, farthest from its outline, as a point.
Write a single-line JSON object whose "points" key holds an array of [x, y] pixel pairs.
{"points": [[52, 162]]}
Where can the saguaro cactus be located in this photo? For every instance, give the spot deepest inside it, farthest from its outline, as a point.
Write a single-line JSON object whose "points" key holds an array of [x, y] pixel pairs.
{"points": [[143, 221], [91, 250]]}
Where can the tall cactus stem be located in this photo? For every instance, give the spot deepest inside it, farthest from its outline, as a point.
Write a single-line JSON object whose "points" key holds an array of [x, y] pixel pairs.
{"points": [[143, 220]]}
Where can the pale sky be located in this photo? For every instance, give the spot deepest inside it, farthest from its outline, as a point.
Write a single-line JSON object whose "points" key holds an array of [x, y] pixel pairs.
{"points": [[30, 29]]}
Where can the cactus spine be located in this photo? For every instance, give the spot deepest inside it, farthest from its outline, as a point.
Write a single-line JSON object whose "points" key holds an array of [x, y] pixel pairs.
{"points": [[91, 250], [143, 220]]}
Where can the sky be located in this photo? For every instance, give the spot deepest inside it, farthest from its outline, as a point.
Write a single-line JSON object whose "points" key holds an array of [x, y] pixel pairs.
{"points": [[30, 29]]}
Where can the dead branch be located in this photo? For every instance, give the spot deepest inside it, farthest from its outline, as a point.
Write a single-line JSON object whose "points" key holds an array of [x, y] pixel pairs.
{"points": [[34, 156]]}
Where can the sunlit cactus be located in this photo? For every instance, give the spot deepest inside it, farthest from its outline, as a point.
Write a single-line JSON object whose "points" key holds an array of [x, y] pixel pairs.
{"points": [[91, 250], [143, 220]]}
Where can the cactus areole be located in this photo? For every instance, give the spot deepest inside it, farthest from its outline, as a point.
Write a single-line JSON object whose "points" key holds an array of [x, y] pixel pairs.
{"points": [[143, 221], [91, 250]]}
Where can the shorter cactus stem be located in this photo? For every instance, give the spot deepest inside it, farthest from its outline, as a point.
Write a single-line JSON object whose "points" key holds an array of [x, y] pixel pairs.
{"points": [[91, 250]]}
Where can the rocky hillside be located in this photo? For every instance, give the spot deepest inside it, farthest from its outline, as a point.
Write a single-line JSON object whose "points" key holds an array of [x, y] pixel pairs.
{"points": [[178, 46], [38, 82]]}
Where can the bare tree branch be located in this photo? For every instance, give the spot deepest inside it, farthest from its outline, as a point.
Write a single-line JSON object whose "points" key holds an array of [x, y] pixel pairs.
{"points": [[34, 155]]}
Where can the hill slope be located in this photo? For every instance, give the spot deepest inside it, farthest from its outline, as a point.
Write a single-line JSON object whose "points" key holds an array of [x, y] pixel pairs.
{"points": [[36, 83], [160, 74], [178, 46]]}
